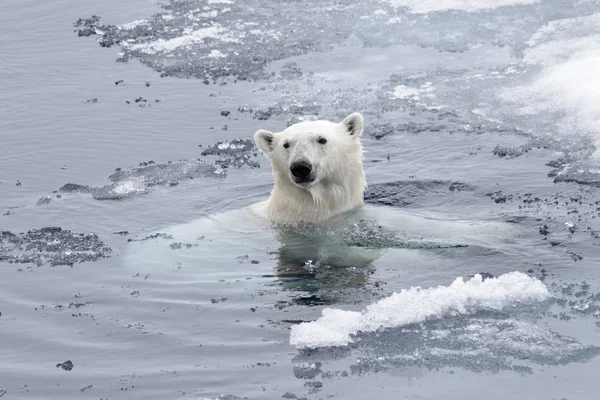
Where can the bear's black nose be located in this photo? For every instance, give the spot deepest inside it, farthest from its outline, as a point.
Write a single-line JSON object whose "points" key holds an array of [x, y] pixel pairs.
{"points": [[301, 169]]}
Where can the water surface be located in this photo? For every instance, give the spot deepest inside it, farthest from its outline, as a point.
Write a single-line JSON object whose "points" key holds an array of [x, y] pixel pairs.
{"points": [[117, 249]]}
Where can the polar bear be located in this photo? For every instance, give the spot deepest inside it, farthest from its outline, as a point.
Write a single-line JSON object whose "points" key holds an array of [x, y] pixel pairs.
{"points": [[318, 170], [316, 214], [319, 180]]}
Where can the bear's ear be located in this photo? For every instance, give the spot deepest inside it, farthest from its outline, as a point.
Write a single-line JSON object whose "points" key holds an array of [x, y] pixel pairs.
{"points": [[264, 140], [354, 124]]}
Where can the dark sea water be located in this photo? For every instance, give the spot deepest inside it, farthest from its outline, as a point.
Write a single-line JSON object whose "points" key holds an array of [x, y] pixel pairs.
{"points": [[131, 270]]}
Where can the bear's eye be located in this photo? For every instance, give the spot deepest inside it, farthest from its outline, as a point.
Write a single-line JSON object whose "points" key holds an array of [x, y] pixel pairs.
{"points": [[322, 141], [286, 145]]}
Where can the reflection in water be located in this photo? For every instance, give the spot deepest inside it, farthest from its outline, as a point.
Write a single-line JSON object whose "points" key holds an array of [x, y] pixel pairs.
{"points": [[309, 258], [352, 244], [342, 254]]}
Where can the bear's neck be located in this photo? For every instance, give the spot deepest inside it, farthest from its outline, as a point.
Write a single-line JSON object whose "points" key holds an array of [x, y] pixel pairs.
{"points": [[291, 204]]}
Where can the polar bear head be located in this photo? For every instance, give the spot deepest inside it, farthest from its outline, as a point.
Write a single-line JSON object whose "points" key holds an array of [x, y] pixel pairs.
{"points": [[317, 167]]}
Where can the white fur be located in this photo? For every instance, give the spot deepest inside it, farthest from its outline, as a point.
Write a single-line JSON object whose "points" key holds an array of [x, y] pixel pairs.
{"points": [[339, 182]]}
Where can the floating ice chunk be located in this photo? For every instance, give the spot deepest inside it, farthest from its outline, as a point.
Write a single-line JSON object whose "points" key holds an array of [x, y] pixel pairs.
{"points": [[413, 93], [425, 6], [415, 305], [130, 186], [405, 92], [395, 20], [569, 52], [216, 54], [233, 145], [133, 24], [193, 37], [561, 28]]}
